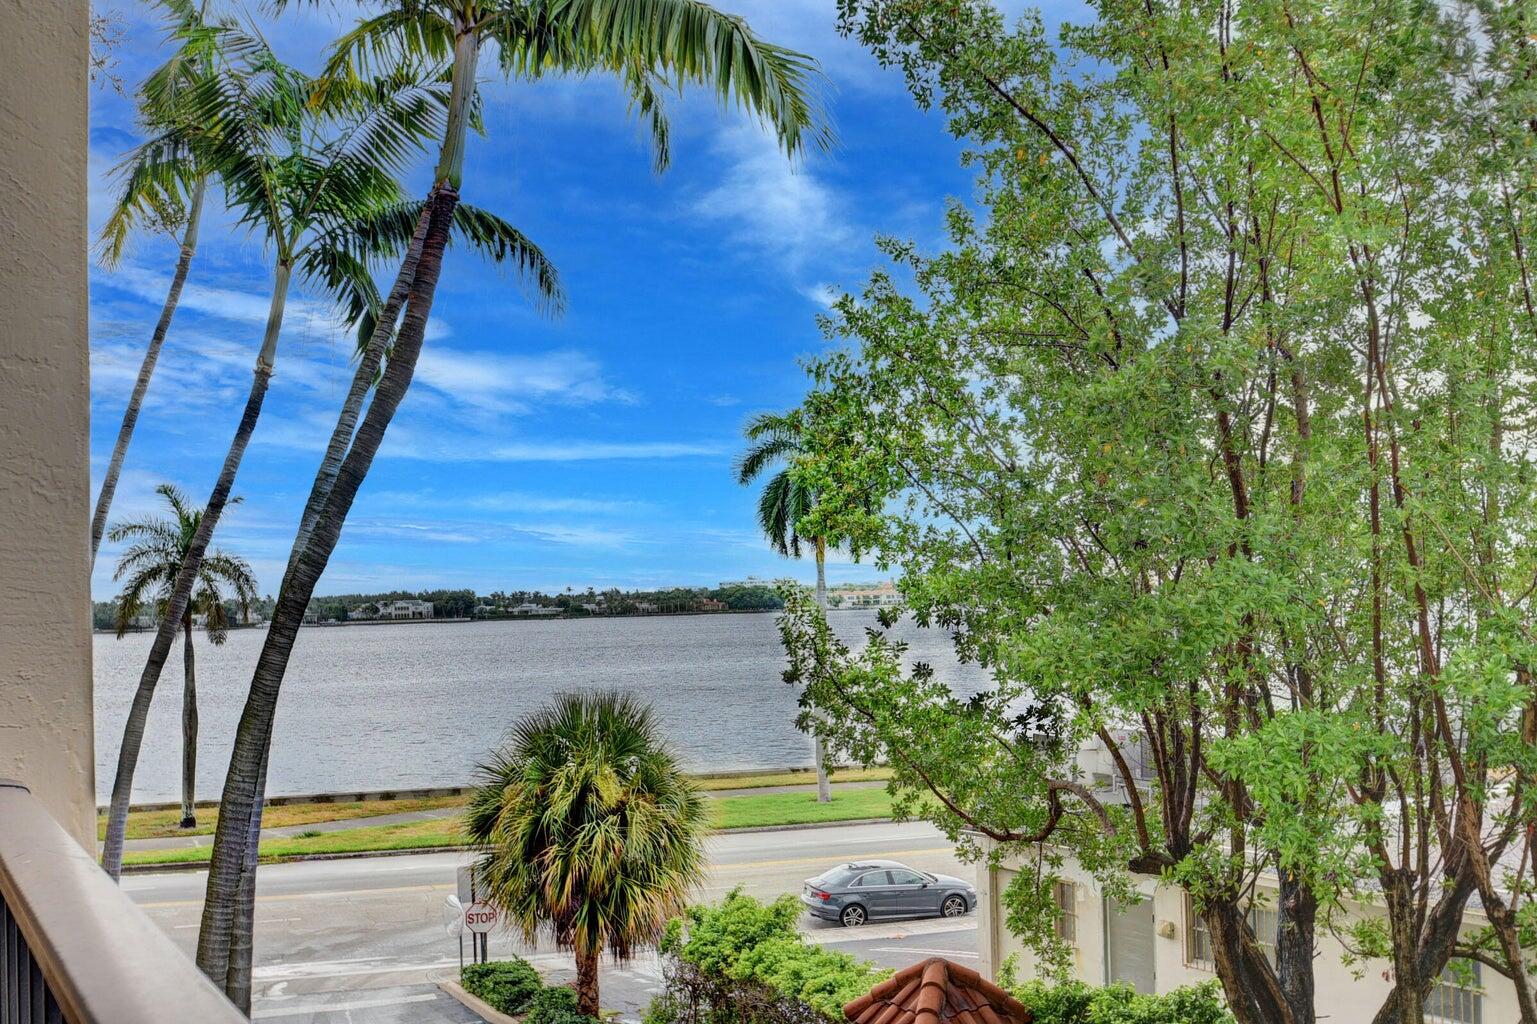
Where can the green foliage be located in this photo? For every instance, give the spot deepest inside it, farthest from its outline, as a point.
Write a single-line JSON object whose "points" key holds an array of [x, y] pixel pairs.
{"points": [[1073, 1002], [507, 985], [586, 823], [556, 1005], [744, 942], [1210, 436], [149, 565]]}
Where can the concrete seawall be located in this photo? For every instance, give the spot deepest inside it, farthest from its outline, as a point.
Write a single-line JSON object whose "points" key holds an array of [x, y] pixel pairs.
{"points": [[362, 796]]}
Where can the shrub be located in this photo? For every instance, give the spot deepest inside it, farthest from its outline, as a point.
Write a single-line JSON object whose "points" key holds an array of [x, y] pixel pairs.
{"points": [[748, 955], [507, 985], [556, 1005], [1073, 1002]]}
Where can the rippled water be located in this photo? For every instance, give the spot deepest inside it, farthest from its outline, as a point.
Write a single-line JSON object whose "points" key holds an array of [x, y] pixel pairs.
{"points": [[410, 705]]}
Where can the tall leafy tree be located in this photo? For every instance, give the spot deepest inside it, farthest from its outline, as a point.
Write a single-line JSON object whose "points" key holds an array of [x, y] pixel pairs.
{"points": [[651, 46], [148, 569], [587, 826], [1210, 434], [774, 440]]}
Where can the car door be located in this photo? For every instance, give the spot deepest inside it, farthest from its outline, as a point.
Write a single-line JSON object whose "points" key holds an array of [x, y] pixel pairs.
{"points": [[913, 894], [874, 890]]}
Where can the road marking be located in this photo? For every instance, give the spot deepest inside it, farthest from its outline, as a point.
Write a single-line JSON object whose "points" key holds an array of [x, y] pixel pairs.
{"points": [[305, 972], [356, 1004], [930, 952], [445, 886], [895, 930]]}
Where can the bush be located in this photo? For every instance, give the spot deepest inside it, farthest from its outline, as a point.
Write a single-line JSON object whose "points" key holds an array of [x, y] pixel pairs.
{"points": [[556, 1005], [507, 985], [748, 955], [1073, 1002]]}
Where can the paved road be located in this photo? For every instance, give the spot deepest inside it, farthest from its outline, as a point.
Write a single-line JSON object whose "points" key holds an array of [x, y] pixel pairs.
{"points": [[361, 939]]}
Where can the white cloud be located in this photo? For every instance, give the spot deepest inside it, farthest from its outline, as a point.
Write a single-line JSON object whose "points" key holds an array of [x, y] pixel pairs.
{"points": [[778, 209], [822, 294], [507, 383], [580, 451]]}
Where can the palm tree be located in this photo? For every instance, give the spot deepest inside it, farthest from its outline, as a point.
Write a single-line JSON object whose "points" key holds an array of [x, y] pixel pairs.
{"points": [[151, 196], [314, 181], [652, 46], [150, 564], [775, 439], [587, 826]]}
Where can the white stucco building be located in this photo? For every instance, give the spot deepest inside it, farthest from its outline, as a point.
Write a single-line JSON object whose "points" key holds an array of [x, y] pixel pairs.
{"points": [[405, 609], [1160, 944]]}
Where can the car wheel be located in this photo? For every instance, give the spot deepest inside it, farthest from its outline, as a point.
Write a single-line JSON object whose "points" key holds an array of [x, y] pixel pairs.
{"points": [[852, 917], [953, 906]]}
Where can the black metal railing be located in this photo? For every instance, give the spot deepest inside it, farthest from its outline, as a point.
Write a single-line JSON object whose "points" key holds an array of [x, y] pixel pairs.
{"points": [[73, 948]]}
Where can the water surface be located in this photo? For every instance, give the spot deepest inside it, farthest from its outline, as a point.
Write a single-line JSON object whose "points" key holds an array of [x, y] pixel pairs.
{"points": [[413, 705]]}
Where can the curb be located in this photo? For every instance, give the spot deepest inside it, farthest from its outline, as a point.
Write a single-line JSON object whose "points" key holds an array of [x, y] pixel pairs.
{"points": [[477, 1006], [148, 869]]}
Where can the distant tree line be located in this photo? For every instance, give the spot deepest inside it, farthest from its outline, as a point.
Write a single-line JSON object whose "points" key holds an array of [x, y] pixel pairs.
{"points": [[466, 604]]}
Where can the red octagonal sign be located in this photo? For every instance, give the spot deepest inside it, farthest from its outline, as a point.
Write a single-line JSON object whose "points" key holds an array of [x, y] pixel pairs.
{"points": [[480, 917]]}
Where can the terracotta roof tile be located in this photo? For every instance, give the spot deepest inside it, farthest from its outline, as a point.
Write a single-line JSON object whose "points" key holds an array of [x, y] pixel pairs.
{"points": [[936, 991]]}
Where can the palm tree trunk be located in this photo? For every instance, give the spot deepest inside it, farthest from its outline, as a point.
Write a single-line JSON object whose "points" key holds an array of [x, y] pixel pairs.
{"points": [[186, 577], [362, 380], [147, 370], [188, 727], [450, 169], [587, 982], [222, 954], [819, 752]]}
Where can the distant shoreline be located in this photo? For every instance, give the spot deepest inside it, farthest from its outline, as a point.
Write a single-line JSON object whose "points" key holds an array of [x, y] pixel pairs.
{"points": [[459, 621]]}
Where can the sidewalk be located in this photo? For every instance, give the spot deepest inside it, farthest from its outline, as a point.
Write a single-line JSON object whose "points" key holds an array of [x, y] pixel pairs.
{"points": [[290, 831]]}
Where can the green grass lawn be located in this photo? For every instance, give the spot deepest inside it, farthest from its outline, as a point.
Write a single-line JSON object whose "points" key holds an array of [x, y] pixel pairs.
{"points": [[753, 810], [162, 824]]}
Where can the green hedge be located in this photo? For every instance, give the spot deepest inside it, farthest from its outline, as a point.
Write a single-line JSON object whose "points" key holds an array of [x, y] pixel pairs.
{"points": [[744, 942], [1073, 1002], [556, 1005], [507, 985]]}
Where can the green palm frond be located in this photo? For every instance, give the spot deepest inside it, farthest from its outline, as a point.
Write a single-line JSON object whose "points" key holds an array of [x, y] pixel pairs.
{"points": [[585, 823], [403, 32], [149, 568], [775, 440], [689, 42]]}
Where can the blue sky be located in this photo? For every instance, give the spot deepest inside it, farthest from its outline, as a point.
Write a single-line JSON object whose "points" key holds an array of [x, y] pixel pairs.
{"points": [[593, 449]]}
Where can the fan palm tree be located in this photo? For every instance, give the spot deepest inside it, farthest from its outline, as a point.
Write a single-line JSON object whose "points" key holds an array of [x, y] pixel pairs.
{"points": [[774, 439], [314, 181], [651, 46], [148, 570], [162, 190], [587, 827]]}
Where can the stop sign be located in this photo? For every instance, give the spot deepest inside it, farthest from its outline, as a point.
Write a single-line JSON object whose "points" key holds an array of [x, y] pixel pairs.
{"points": [[480, 917]]}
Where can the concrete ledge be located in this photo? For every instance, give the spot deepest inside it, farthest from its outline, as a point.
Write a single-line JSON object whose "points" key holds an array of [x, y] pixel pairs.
{"points": [[430, 792], [477, 1006]]}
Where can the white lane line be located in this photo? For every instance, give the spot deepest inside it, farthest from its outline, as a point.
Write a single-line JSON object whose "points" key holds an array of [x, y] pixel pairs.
{"points": [[906, 929], [929, 952], [298, 972], [356, 1004]]}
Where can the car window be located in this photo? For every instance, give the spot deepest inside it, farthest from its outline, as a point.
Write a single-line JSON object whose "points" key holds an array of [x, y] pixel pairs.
{"points": [[905, 877], [837, 876], [870, 878]]}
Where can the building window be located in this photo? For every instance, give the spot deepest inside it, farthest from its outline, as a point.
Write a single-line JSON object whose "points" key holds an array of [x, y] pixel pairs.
{"points": [[1198, 948], [1458, 995], [1066, 896]]}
